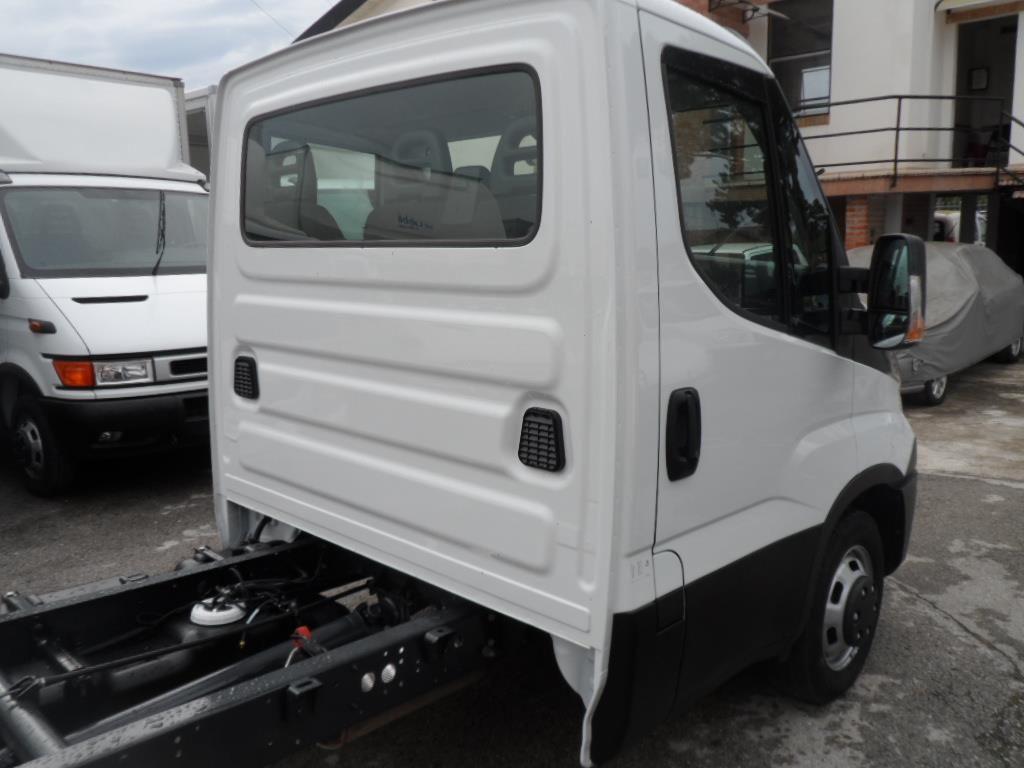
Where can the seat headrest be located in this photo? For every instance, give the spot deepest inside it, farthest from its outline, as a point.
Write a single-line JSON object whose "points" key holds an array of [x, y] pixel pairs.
{"points": [[479, 172], [510, 152], [423, 149]]}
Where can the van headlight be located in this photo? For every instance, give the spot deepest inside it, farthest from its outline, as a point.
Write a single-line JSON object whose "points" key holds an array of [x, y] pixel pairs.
{"points": [[112, 372], [86, 374]]}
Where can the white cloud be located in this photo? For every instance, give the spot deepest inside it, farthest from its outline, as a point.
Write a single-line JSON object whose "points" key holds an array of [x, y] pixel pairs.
{"points": [[196, 40]]}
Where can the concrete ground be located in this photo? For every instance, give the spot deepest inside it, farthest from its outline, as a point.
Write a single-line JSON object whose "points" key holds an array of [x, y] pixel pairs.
{"points": [[944, 685]]}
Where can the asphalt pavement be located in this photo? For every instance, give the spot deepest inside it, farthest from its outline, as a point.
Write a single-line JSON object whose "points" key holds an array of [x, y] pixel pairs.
{"points": [[944, 685]]}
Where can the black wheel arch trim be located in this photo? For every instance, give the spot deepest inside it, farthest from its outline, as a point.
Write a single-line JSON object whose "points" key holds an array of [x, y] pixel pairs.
{"points": [[9, 372], [899, 487]]}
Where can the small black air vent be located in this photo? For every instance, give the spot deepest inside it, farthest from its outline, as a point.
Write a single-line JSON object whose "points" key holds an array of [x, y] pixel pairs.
{"points": [[190, 366], [247, 383], [540, 443]]}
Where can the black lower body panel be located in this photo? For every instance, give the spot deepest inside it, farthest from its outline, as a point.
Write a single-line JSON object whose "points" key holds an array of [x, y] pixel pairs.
{"points": [[149, 423], [748, 611]]}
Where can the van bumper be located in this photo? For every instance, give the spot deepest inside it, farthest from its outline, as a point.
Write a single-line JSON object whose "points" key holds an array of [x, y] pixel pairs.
{"points": [[131, 424]]}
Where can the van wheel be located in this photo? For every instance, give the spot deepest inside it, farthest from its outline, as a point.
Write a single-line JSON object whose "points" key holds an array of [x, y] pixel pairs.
{"points": [[844, 615], [1010, 354], [46, 467], [934, 392]]}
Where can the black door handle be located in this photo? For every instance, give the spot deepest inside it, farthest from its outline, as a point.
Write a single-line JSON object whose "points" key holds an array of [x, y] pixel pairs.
{"points": [[682, 434]]}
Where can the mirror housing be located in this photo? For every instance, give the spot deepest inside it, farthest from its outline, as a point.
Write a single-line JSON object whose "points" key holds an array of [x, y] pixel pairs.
{"points": [[896, 292]]}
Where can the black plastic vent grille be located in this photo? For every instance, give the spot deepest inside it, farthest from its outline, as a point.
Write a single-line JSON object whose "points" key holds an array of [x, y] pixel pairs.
{"points": [[188, 366], [540, 443], [247, 383]]}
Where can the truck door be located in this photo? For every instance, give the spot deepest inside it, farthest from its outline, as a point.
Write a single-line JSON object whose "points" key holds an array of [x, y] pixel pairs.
{"points": [[757, 439]]}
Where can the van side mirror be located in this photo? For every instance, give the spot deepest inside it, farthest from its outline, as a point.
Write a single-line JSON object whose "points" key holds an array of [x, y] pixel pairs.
{"points": [[896, 292]]}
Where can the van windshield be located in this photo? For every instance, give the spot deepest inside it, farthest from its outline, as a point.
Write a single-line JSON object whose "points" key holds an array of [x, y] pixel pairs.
{"points": [[93, 232]]}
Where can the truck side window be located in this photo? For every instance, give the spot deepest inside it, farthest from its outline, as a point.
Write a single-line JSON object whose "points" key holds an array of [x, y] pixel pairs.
{"points": [[720, 143], [455, 160], [809, 221]]}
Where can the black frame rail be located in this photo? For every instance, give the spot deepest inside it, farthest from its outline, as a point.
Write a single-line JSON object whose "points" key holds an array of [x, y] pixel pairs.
{"points": [[253, 721], [1000, 145]]}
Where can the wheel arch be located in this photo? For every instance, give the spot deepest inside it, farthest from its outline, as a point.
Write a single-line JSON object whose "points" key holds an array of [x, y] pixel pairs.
{"points": [[885, 493], [15, 381]]}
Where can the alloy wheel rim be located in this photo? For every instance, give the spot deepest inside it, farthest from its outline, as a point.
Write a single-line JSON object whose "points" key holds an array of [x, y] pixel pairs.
{"points": [[938, 387], [28, 448], [851, 592], [1015, 348]]}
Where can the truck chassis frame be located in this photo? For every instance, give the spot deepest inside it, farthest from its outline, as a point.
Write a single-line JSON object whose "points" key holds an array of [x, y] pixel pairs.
{"points": [[221, 704]]}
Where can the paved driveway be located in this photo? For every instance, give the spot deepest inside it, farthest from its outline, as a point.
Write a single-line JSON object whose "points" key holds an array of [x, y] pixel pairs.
{"points": [[944, 685]]}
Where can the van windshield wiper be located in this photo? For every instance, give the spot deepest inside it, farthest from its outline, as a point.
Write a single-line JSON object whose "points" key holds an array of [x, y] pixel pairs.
{"points": [[161, 232]]}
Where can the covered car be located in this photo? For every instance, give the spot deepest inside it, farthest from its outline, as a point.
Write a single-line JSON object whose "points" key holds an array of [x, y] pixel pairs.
{"points": [[974, 310]]}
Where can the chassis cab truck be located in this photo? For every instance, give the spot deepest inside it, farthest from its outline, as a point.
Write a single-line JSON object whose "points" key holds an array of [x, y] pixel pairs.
{"points": [[523, 313], [102, 268]]}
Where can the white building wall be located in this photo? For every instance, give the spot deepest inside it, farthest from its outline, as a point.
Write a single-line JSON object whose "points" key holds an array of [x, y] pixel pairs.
{"points": [[1017, 131], [882, 48]]}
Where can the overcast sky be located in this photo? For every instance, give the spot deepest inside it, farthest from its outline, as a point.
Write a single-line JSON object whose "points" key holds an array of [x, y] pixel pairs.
{"points": [[196, 40]]}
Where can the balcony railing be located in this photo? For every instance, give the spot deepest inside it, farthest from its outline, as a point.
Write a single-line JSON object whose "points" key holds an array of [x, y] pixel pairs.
{"points": [[995, 153]]}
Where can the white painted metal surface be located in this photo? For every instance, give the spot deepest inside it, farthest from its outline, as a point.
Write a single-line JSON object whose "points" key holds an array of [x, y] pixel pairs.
{"points": [[67, 118]]}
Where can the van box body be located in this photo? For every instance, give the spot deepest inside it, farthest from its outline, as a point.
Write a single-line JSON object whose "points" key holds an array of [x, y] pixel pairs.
{"points": [[398, 380]]}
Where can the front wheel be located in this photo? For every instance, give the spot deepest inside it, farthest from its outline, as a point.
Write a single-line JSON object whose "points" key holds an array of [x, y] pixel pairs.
{"points": [[1010, 354], [934, 392], [46, 467], [844, 615]]}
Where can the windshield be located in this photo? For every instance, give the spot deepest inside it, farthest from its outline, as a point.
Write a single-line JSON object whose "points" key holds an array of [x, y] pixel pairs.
{"points": [[92, 232]]}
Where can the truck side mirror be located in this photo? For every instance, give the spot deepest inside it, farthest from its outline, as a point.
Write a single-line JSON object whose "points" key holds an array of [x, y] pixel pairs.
{"points": [[896, 292]]}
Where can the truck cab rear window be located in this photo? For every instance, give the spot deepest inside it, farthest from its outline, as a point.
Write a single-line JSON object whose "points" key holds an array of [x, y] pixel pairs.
{"points": [[456, 160]]}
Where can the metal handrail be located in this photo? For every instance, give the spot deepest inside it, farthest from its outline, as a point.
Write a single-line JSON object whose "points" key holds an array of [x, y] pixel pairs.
{"points": [[1006, 120]]}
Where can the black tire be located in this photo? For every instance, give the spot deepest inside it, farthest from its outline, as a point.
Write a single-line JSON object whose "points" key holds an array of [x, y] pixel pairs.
{"points": [[934, 392], [1011, 354], [817, 670], [47, 468]]}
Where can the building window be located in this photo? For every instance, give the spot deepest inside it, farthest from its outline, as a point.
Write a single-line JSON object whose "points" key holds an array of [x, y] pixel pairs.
{"points": [[800, 53]]}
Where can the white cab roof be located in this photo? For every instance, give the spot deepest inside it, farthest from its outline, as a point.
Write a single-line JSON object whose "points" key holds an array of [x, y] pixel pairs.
{"points": [[671, 10], [686, 17]]}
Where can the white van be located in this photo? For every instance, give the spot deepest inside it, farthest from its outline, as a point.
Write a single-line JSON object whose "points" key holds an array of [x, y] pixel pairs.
{"points": [[102, 268], [475, 317]]}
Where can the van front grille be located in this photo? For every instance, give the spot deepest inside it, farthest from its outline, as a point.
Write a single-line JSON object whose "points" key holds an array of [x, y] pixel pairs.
{"points": [[188, 367]]}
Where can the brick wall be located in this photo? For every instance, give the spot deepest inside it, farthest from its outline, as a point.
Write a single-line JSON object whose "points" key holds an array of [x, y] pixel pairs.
{"points": [[865, 220], [727, 17]]}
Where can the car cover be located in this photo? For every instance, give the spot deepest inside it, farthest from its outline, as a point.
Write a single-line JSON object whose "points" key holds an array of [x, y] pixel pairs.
{"points": [[974, 308]]}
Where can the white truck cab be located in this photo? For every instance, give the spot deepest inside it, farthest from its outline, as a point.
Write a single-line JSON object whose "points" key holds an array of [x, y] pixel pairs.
{"points": [[102, 268], [474, 316], [524, 313]]}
